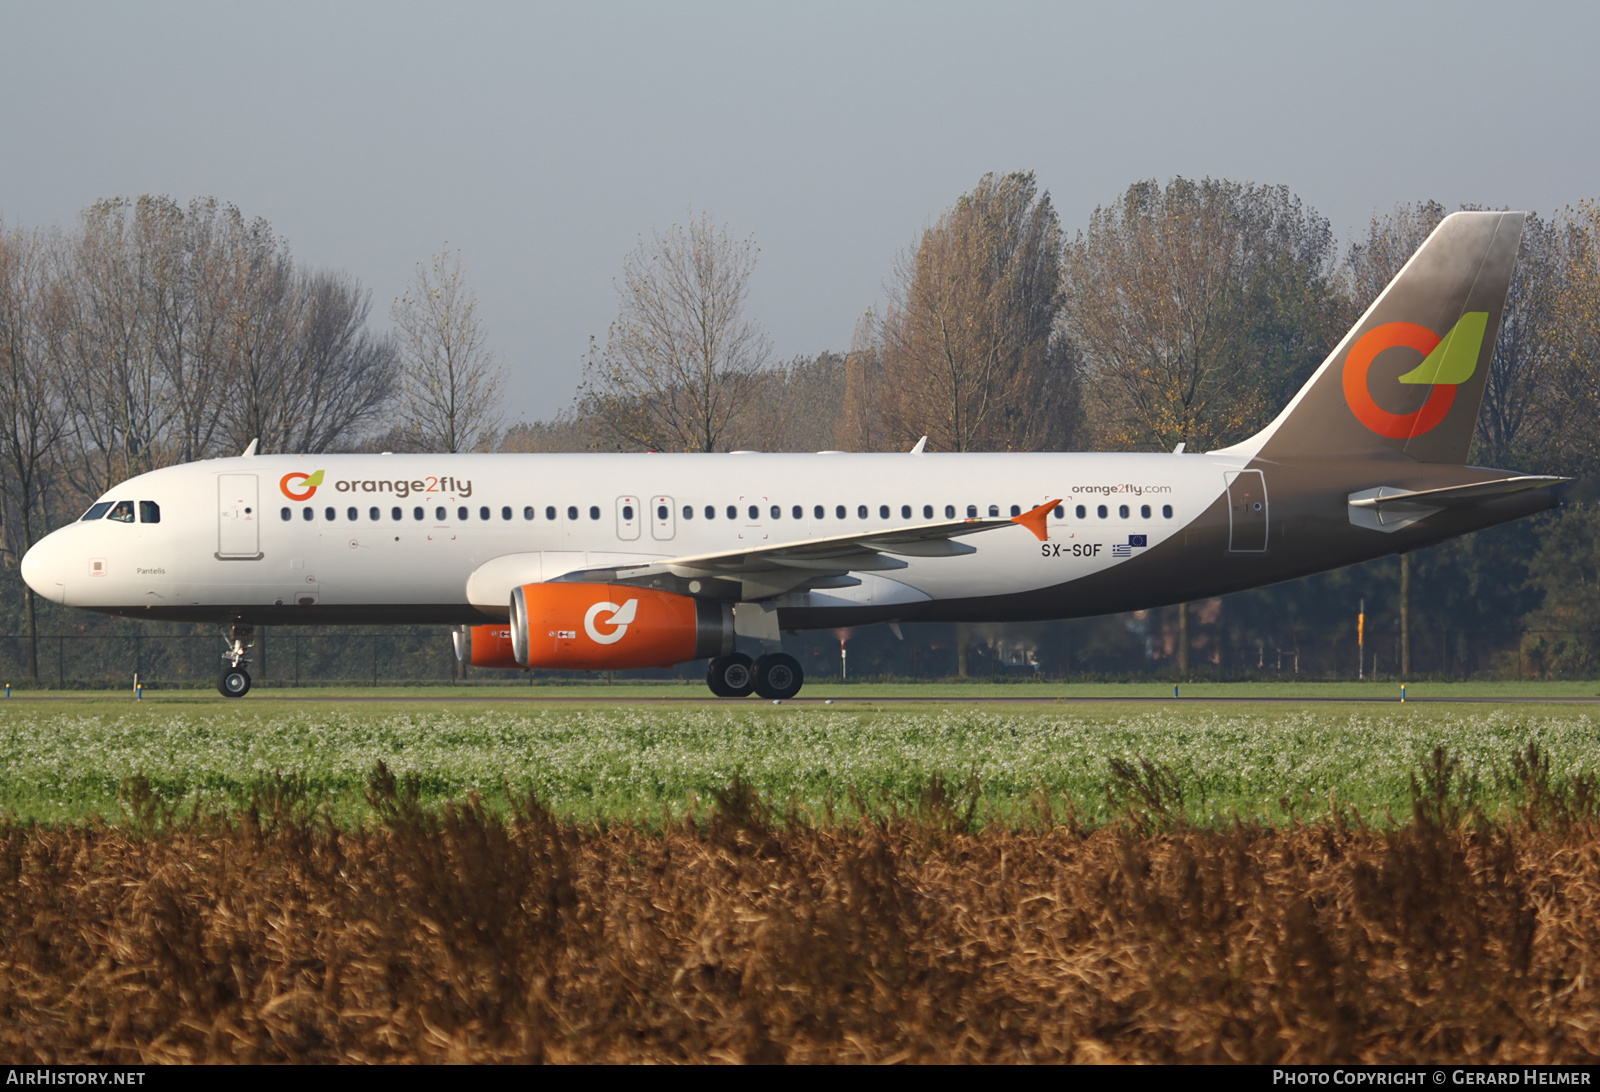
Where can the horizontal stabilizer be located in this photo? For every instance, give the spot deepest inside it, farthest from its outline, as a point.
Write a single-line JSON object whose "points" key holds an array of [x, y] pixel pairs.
{"points": [[1453, 496], [1390, 508]]}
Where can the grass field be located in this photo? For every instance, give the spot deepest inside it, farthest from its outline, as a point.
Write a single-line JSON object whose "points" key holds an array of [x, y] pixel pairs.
{"points": [[63, 761], [923, 881]]}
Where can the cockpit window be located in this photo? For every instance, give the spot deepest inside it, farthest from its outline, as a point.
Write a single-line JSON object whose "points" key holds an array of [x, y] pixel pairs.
{"points": [[98, 511], [149, 512], [122, 513]]}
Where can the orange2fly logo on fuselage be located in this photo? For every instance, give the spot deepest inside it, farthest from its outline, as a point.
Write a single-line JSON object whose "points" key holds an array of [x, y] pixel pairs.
{"points": [[300, 487], [1448, 362]]}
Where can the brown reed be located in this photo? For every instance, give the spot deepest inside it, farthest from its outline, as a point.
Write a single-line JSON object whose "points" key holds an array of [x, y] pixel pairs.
{"points": [[903, 934]]}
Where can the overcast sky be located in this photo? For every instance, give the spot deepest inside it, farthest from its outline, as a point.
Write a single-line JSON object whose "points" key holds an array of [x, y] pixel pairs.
{"points": [[544, 140]]}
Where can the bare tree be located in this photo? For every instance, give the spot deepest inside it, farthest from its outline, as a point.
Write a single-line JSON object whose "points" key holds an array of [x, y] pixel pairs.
{"points": [[680, 359], [970, 353], [450, 380], [31, 420]]}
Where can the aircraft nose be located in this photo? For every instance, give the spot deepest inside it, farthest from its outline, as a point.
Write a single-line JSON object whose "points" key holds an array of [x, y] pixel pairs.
{"points": [[44, 572]]}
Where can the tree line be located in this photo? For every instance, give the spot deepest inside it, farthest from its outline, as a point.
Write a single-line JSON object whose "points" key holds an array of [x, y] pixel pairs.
{"points": [[1186, 312], [153, 333]]}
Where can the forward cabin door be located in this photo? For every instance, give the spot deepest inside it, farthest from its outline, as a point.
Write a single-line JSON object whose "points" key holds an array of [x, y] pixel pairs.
{"points": [[238, 518], [1247, 512]]}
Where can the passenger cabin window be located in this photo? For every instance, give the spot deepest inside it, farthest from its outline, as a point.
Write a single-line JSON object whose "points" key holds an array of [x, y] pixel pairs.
{"points": [[883, 511], [286, 514], [927, 511], [96, 511], [1122, 511], [594, 511], [994, 510], [1016, 509], [1101, 511], [905, 511], [972, 511], [818, 512], [483, 511], [733, 512], [755, 513], [416, 513], [1061, 511], [330, 514], [440, 513], [550, 512], [1081, 511], [949, 511], [688, 511], [572, 511], [1144, 511], [352, 514], [505, 512], [308, 513], [122, 512], [711, 511], [797, 512], [375, 514], [627, 511], [861, 511], [1166, 511], [527, 511], [461, 513], [395, 514], [777, 512], [838, 511]]}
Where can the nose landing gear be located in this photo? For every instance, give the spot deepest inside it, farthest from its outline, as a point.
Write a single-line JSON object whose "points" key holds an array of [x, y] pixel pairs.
{"points": [[234, 682]]}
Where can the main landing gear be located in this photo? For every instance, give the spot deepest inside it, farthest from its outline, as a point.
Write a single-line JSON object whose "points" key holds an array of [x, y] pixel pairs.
{"points": [[234, 682], [775, 676]]}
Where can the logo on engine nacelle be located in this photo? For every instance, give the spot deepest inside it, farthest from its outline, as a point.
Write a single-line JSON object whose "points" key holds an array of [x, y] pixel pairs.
{"points": [[620, 617]]}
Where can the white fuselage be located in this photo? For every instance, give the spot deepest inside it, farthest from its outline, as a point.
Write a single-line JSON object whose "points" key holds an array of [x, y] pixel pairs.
{"points": [[403, 535]]}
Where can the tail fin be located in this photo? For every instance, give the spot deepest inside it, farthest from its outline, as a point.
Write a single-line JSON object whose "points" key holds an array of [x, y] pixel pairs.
{"points": [[1408, 378]]}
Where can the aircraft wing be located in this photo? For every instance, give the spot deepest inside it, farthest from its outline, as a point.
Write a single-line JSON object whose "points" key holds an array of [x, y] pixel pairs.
{"points": [[774, 568]]}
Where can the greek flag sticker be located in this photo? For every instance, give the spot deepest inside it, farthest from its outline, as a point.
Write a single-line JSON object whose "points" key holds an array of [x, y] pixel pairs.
{"points": [[1125, 549]]}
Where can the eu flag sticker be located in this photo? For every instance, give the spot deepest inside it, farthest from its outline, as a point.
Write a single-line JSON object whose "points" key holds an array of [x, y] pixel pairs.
{"points": [[1137, 540]]}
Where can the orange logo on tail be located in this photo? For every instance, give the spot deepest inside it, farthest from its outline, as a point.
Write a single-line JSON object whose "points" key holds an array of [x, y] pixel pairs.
{"points": [[1447, 362]]}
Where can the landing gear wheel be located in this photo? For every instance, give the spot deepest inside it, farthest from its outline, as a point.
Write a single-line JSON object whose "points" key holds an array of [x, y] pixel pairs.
{"points": [[730, 676], [778, 676], [234, 682]]}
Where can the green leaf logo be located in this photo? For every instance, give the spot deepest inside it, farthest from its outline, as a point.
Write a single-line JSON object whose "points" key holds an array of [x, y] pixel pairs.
{"points": [[1455, 358]]}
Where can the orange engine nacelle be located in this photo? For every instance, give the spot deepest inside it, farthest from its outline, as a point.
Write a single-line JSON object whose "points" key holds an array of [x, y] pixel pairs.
{"points": [[489, 646], [604, 627]]}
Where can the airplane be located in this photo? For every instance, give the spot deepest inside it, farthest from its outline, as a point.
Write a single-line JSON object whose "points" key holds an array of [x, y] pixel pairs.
{"points": [[606, 562]]}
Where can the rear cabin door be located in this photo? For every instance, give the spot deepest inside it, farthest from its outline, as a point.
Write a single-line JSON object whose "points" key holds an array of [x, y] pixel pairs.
{"points": [[238, 518], [1247, 512]]}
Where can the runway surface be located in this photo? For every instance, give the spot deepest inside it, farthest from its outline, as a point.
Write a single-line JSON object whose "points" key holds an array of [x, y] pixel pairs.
{"points": [[279, 697]]}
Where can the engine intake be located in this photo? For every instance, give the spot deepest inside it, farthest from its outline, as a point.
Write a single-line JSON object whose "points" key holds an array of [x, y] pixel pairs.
{"points": [[604, 627]]}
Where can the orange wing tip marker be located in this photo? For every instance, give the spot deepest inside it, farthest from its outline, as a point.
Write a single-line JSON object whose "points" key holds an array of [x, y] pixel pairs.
{"points": [[1034, 519]]}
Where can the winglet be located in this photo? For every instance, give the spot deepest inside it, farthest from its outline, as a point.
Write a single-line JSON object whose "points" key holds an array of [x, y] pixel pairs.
{"points": [[1034, 519]]}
